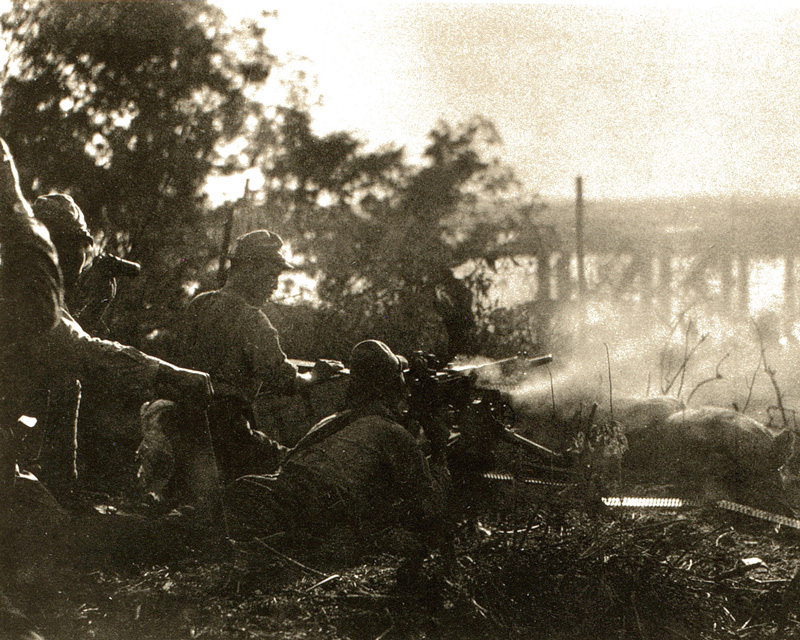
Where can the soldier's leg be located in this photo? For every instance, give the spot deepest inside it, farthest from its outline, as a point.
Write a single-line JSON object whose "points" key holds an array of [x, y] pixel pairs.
{"points": [[57, 463]]}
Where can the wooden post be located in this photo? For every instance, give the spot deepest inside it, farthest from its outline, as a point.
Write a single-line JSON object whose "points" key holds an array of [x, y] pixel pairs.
{"points": [[643, 267], [665, 277], [544, 274], [579, 235], [744, 284], [563, 293], [726, 279]]}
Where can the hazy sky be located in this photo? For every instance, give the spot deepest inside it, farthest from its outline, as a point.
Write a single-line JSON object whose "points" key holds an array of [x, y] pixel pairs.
{"points": [[639, 100]]}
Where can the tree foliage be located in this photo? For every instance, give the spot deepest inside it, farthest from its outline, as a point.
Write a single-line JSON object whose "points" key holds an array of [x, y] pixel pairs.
{"points": [[386, 234], [131, 106], [126, 106]]}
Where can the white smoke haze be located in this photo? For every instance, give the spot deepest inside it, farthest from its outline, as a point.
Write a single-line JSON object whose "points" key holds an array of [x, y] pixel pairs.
{"points": [[698, 355]]}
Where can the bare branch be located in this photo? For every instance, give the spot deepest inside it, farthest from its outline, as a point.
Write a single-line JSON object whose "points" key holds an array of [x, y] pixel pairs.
{"points": [[687, 356], [771, 373], [717, 376]]}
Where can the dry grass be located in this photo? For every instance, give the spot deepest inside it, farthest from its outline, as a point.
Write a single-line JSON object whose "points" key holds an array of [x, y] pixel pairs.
{"points": [[536, 565]]}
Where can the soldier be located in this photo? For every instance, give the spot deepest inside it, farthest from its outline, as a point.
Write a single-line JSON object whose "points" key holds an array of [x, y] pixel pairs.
{"points": [[358, 470], [228, 334], [30, 306], [69, 354], [39, 344]]}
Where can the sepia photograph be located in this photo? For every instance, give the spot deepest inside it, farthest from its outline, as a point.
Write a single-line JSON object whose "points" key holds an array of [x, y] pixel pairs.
{"points": [[399, 320]]}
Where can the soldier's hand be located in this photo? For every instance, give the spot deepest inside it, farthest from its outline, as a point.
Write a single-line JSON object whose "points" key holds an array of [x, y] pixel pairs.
{"points": [[326, 369], [438, 434], [186, 386]]}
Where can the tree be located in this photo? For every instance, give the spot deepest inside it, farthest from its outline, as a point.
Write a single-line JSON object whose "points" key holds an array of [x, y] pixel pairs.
{"points": [[127, 105], [386, 235], [131, 106]]}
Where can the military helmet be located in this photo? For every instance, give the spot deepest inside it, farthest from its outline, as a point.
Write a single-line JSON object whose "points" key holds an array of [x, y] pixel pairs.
{"points": [[62, 217], [373, 364], [258, 248]]}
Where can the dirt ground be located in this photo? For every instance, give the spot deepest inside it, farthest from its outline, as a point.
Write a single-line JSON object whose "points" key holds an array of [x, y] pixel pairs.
{"points": [[529, 562]]}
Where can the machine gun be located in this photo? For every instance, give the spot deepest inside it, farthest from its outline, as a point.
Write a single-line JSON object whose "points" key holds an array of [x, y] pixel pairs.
{"points": [[475, 415], [473, 412]]}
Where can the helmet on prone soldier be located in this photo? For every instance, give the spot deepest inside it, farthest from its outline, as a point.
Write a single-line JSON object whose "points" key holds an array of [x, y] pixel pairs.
{"points": [[376, 372]]}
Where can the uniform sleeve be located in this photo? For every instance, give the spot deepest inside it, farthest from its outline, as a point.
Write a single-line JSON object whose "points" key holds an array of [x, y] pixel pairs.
{"points": [[423, 492], [100, 362], [30, 281], [263, 348]]}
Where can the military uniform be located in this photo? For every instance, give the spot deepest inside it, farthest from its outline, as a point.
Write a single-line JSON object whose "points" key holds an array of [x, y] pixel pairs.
{"points": [[359, 472], [360, 469], [68, 359], [30, 306], [65, 355], [237, 345], [228, 335], [43, 348]]}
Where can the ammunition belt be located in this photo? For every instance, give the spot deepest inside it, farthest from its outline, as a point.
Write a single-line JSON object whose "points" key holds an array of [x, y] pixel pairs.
{"points": [[635, 502]]}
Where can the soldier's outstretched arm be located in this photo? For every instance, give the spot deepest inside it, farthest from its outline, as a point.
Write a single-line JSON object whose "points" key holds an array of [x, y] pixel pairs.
{"points": [[107, 364]]}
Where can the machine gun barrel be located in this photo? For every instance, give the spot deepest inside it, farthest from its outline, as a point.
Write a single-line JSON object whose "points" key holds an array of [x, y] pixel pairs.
{"points": [[433, 384], [534, 362], [441, 375]]}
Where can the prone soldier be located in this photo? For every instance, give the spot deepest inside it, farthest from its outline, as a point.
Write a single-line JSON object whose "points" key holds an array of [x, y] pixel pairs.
{"points": [[358, 470]]}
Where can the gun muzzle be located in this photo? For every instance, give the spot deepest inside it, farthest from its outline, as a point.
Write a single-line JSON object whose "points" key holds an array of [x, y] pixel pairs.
{"points": [[468, 368], [540, 360], [113, 267]]}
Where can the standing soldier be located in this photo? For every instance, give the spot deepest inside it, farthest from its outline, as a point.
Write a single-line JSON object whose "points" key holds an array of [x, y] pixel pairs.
{"points": [[39, 341], [68, 358], [228, 334], [31, 296], [30, 306]]}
